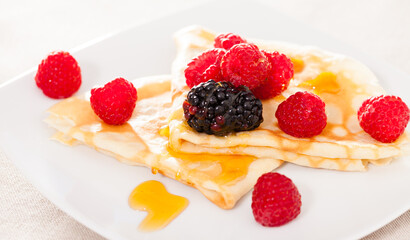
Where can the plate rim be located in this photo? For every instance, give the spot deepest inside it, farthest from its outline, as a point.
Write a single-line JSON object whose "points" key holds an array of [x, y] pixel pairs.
{"points": [[84, 220]]}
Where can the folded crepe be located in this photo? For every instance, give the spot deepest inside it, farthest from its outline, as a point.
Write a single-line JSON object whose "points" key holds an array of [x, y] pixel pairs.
{"points": [[226, 168], [143, 141], [341, 82]]}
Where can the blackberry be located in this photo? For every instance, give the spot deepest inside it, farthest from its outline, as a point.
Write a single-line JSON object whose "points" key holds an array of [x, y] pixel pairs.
{"points": [[219, 108]]}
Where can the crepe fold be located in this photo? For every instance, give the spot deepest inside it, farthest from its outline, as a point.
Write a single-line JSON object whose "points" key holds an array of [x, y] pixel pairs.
{"points": [[341, 82], [144, 141], [226, 168]]}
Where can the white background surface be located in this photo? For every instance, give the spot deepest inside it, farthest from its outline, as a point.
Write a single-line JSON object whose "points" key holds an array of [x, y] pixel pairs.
{"points": [[29, 30]]}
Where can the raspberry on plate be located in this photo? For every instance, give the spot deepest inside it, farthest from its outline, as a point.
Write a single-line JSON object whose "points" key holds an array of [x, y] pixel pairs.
{"points": [[245, 65], [279, 77], [58, 75], [115, 102], [220, 108], [275, 200], [227, 40], [204, 67], [302, 115], [384, 117]]}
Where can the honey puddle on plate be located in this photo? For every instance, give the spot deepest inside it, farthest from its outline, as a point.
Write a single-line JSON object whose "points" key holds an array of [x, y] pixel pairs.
{"points": [[162, 206]]}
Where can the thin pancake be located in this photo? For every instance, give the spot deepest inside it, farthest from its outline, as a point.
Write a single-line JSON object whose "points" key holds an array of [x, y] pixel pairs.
{"points": [[341, 82], [143, 141]]}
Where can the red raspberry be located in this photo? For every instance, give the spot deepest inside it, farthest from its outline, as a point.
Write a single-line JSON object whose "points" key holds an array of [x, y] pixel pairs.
{"points": [[275, 200], [245, 65], [302, 115], [204, 67], [58, 75], [227, 40], [115, 102], [279, 78], [384, 117]]}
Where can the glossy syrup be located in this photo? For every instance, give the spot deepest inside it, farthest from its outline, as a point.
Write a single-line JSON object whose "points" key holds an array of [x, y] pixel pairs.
{"points": [[324, 82], [298, 65], [87, 123], [221, 169], [162, 207]]}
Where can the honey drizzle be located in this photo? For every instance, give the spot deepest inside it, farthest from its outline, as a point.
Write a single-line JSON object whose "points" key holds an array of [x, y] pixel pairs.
{"points": [[337, 89], [324, 82], [221, 169], [332, 88], [162, 207], [154, 170], [316, 163], [342, 164], [65, 139], [164, 131], [298, 65], [343, 99], [324, 64], [87, 122]]}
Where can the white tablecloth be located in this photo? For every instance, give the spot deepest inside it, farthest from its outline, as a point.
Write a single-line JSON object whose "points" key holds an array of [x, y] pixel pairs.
{"points": [[31, 29]]}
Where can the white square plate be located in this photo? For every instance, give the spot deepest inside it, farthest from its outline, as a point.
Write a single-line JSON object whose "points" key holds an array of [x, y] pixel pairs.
{"points": [[94, 188]]}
